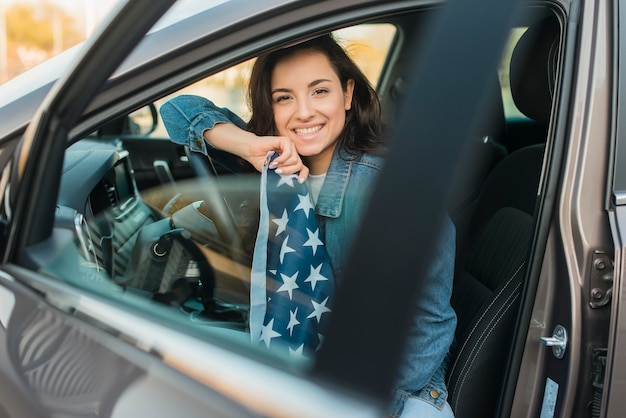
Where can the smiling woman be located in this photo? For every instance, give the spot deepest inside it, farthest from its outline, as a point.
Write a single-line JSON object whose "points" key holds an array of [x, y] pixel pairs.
{"points": [[314, 108]]}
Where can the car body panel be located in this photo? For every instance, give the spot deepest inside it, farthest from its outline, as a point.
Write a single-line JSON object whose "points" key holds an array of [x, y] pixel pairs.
{"points": [[580, 225], [155, 363], [580, 221]]}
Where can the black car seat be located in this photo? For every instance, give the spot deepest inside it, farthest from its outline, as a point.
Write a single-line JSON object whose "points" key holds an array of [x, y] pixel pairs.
{"points": [[485, 150], [532, 102], [490, 271]]}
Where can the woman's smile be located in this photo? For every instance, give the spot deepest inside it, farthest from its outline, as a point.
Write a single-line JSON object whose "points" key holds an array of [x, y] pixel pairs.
{"points": [[310, 131]]}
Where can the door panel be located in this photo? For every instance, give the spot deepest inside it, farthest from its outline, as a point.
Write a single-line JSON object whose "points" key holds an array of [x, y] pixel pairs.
{"points": [[55, 364]]}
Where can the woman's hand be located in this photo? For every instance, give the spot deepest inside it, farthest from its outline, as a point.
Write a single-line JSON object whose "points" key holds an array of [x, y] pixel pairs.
{"points": [[288, 160], [254, 149]]}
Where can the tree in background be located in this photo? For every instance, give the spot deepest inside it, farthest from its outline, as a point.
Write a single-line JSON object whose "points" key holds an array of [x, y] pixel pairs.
{"points": [[34, 33]]}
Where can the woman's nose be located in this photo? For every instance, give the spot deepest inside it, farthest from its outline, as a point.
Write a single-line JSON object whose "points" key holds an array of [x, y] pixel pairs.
{"points": [[305, 109]]}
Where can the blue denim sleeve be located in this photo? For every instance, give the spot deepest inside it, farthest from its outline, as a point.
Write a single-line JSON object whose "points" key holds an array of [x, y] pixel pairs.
{"points": [[423, 369], [186, 118]]}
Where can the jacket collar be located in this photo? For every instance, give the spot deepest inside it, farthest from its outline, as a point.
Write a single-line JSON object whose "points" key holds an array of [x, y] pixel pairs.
{"points": [[330, 200]]}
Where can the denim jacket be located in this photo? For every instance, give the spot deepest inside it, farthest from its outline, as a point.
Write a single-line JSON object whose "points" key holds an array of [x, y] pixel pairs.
{"points": [[339, 209]]}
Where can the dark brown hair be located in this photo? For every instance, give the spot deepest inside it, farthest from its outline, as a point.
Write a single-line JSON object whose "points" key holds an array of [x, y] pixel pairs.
{"points": [[363, 129]]}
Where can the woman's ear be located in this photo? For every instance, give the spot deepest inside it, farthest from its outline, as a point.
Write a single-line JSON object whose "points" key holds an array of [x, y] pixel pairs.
{"points": [[347, 94]]}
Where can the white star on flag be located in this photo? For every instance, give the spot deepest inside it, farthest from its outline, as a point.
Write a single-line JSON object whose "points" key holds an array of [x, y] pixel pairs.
{"points": [[289, 284], [287, 179], [293, 321], [268, 333], [305, 204], [281, 222], [315, 276], [285, 249], [314, 240], [298, 352], [319, 309]]}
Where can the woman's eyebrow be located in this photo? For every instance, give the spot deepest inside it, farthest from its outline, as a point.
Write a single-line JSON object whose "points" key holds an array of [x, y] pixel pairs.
{"points": [[311, 84], [316, 82], [281, 90]]}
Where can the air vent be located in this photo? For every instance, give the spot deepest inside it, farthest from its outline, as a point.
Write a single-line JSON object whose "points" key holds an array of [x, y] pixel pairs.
{"points": [[84, 238], [111, 195]]}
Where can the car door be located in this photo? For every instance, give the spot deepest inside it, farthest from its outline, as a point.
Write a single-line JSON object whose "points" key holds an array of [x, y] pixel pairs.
{"points": [[354, 372], [608, 370]]}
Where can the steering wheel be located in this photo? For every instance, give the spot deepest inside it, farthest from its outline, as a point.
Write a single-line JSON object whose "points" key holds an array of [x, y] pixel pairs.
{"points": [[220, 203], [217, 163]]}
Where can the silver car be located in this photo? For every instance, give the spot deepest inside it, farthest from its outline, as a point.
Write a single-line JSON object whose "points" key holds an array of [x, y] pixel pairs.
{"points": [[504, 115]]}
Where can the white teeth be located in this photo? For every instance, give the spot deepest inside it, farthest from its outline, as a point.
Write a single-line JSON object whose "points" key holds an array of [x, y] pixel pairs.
{"points": [[308, 131]]}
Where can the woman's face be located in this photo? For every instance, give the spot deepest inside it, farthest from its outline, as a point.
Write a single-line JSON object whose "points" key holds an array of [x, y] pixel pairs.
{"points": [[310, 106]]}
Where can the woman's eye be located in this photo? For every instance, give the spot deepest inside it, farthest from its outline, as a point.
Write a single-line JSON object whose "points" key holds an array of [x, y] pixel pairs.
{"points": [[320, 91], [279, 99]]}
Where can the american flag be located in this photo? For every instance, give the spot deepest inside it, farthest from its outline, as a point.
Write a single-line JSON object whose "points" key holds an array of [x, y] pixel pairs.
{"points": [[292, 281]]}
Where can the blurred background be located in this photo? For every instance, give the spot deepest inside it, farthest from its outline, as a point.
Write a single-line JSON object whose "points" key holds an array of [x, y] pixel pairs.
{"points": [[32, 31]]}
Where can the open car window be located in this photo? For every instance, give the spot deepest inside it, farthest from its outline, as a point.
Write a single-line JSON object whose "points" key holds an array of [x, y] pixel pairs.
{"points": [[180, 249]]}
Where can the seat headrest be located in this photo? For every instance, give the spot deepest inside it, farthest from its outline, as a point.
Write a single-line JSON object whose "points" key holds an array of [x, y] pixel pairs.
{"points": [[534, 68]]}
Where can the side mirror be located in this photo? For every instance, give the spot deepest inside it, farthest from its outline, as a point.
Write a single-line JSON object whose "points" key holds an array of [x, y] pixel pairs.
{"points": [[143, 121]]}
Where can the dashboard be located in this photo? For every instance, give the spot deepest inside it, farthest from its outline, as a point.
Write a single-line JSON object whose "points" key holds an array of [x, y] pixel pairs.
{"points": [[134, 248], [99, 195]]}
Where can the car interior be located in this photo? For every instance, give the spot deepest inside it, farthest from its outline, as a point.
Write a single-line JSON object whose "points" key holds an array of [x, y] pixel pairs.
{"points": [[135, 219]]}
